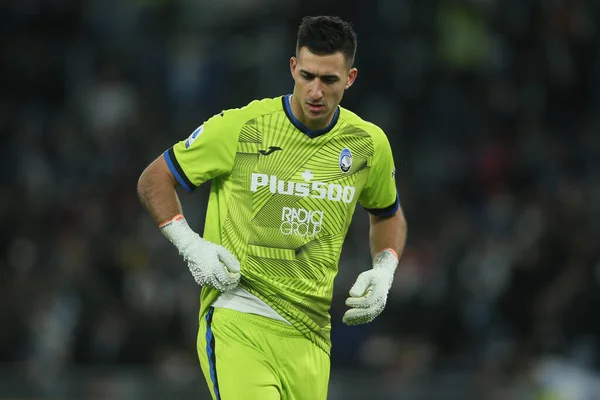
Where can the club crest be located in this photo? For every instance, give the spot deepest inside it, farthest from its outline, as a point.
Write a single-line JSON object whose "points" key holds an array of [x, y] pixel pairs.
{"points": [[345, 160]]}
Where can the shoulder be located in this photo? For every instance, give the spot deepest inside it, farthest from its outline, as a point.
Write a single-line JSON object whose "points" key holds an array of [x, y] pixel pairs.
{"points": [[254, 109], [375, 132]]}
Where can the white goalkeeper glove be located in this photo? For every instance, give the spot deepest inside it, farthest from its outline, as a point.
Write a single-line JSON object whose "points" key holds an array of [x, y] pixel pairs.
{"points": [[209, 263], [369, 293]]}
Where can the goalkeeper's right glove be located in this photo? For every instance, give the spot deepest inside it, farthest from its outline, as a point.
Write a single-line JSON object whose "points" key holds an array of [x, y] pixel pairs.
{"points": [[209, 263]]}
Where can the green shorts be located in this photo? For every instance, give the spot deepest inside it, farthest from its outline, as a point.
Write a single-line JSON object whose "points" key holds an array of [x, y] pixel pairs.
{"points": [[246, 357]]}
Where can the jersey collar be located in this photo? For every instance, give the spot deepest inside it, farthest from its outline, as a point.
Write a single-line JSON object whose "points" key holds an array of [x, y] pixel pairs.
{"points": [[303, 128]]}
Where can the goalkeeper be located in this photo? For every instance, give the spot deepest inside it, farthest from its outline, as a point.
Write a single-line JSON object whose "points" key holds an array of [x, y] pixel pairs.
{"points": [[286, 175]]}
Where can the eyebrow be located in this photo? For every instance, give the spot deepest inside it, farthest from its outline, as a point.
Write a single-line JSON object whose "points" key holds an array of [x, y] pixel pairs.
{"points": [[330, 76]]}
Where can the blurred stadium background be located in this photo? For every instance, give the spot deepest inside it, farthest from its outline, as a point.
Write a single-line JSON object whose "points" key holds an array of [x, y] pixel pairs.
{"points": [[492, 108]]}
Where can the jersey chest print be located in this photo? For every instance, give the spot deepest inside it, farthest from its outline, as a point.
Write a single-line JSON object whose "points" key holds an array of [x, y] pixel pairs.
{"points": [[300, 189]]}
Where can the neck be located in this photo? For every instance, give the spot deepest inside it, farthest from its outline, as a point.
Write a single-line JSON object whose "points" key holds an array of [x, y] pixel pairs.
{"points": [[312, 125]]}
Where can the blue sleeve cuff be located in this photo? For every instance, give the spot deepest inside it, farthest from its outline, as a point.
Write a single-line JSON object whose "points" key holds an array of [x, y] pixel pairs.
{"points": [[177, 171], [387, 211]]}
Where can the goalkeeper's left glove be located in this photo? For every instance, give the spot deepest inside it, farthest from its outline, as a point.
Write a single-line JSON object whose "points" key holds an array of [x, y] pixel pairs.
{"points": [[369, 293]]}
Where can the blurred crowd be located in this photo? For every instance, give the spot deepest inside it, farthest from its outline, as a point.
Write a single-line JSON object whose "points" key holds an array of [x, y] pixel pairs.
{"points": [[492, 109]]}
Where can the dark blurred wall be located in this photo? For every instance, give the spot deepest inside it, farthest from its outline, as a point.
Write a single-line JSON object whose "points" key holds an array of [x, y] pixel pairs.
{"points": [[492, 111]]}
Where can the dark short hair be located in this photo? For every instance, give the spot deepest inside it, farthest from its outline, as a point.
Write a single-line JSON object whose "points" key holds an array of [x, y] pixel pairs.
{"points": [[324, 35]]}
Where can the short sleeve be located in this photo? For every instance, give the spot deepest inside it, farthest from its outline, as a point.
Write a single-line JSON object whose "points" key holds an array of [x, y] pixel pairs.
{"points": [[380, 196], [207, 153]]}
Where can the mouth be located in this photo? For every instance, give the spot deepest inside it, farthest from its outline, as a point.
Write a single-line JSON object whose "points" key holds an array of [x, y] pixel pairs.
{"points": [[315, 108]]}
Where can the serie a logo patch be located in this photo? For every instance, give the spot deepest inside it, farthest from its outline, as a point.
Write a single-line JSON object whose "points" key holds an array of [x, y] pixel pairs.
{"points": [[194, 136]]}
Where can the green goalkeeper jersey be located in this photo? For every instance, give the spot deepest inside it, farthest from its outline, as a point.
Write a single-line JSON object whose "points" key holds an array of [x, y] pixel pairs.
{"points": [[282, 199]]}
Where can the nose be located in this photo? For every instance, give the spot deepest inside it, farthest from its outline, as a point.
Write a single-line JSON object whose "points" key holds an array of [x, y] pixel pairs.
{"points": [[315, 91]]}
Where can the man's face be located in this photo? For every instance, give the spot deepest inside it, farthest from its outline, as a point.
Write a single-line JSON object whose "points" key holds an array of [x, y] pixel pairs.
{"points": [[320, 85]]}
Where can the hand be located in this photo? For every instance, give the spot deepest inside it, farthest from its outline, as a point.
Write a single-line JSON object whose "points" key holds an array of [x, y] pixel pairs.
{"points": [[209, 263], [368, 295]]}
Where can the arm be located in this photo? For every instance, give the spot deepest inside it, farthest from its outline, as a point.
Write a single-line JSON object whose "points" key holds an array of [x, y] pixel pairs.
{"points": [[156, 190], [387, 232], [368, 295], [209, 263]]}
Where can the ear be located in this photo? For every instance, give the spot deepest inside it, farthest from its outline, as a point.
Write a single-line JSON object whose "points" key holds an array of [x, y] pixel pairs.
{"points": [[351, 77], [293, 65]]}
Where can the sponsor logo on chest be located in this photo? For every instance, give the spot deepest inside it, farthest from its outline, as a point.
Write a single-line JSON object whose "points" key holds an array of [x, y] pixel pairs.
{"points": [[309, 188]]}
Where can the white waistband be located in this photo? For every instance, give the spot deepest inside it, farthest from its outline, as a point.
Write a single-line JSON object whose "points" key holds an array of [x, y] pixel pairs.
{"points": [[240, 299]]}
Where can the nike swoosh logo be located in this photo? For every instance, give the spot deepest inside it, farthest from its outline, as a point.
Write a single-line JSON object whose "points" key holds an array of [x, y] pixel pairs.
{"points": [[271, 150]]}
